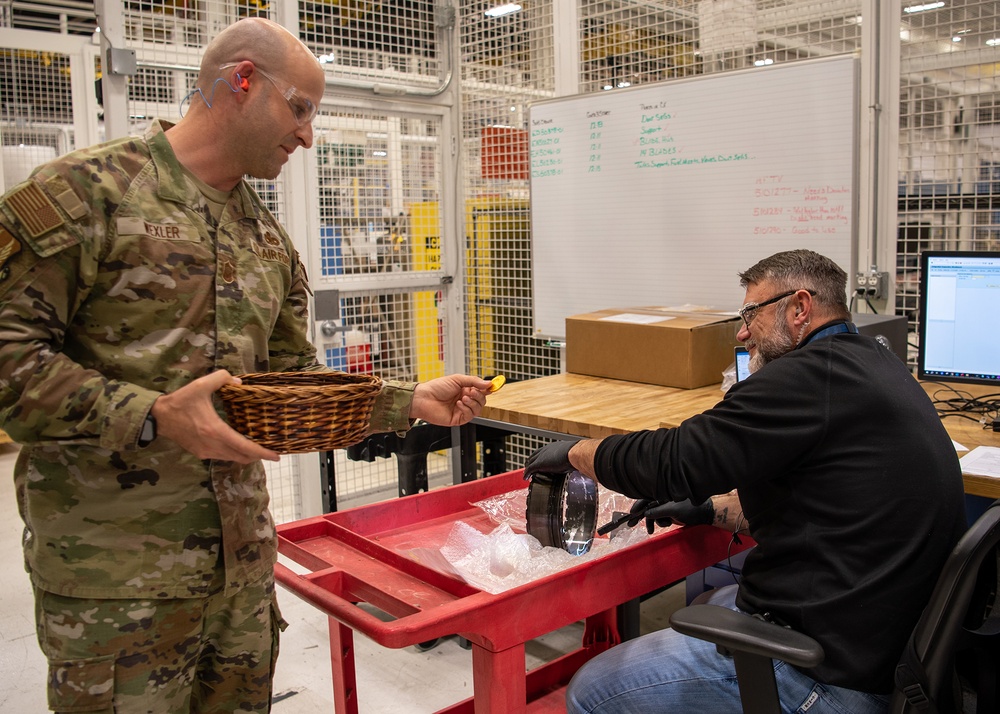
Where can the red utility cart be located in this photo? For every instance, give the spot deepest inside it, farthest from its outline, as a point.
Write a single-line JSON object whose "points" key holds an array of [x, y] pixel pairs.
{"points": [[354, 556]]}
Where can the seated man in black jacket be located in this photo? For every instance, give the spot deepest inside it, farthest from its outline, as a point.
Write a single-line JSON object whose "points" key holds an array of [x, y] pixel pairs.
{"points": [[848, 482]]}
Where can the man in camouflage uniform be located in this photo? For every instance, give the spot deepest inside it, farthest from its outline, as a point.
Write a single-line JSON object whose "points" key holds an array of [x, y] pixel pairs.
{"points": [[135, 278]]}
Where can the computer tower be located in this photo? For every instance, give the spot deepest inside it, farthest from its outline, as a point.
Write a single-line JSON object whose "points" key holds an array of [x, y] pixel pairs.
{"points": [[890, 330]]}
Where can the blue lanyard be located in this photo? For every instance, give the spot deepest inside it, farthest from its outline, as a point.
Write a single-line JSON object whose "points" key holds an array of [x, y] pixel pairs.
{"points": [[834, 329]]}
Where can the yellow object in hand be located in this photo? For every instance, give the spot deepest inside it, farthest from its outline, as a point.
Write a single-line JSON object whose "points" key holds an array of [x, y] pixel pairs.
{"points": [[497, 382]]}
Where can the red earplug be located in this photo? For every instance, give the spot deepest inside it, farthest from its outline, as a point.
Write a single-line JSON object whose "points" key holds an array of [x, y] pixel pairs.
{"points": [[243, 82]]}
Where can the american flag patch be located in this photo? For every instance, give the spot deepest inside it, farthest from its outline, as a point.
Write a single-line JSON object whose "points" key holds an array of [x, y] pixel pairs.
{"points": [[34, 209]]}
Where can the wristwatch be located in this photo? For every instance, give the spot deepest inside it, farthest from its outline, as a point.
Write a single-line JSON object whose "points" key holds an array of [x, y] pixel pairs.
{"points": [[148, 432]]}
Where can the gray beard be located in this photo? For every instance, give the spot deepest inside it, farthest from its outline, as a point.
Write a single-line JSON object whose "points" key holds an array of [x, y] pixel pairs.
{"points": [[772, 348]]}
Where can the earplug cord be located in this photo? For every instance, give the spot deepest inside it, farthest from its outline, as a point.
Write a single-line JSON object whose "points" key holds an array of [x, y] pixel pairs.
{"points": [[208, 100]]}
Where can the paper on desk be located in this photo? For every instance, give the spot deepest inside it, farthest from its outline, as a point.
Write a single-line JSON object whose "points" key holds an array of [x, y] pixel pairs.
{"points": [[959, 447], [637, 319], [982, 461]]}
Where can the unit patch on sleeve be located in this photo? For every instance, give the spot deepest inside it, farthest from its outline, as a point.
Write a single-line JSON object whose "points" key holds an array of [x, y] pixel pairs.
{"points": [[66, 197], [9, 247], [34, 209]]}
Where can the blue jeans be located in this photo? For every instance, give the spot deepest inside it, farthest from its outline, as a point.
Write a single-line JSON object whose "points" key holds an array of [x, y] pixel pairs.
{"points": [[666, 671]]}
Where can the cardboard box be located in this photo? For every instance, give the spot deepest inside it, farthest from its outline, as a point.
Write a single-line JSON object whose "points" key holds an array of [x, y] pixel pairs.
{"points": [[653, 345]]}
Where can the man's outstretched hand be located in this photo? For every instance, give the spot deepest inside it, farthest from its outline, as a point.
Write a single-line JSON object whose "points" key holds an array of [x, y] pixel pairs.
{"points": [[450, 401]]}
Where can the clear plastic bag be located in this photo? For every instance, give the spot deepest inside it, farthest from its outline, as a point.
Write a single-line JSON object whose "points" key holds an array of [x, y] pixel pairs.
{"points": [[510, 508], [508, 557], [728, 377]]}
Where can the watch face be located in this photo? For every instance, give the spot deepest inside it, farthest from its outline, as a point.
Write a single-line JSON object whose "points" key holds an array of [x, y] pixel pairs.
{"points": [[148, 431], [562, 511]]}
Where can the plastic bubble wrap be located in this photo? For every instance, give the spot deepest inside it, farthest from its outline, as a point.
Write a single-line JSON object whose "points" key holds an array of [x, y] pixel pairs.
{"points": [[507, 556]]}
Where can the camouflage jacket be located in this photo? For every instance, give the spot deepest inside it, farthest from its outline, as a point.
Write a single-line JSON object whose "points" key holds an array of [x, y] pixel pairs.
{"points": [[117, 285]]}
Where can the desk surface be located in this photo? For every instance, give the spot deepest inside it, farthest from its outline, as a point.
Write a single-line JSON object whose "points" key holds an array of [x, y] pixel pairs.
{"points": [[594, 407]]}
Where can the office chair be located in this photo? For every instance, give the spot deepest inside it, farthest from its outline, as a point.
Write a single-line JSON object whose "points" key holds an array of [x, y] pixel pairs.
{"points": [[962, 615]]}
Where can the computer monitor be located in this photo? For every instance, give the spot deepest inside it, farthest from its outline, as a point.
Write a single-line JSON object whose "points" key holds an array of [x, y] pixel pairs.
{"points": [[958, 317]]}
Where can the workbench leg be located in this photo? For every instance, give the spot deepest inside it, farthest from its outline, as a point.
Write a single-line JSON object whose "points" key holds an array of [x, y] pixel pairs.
{"points": [[498, 680], [494, 454], [463, 450], [345, 682], [412, 473], [328, 476]]}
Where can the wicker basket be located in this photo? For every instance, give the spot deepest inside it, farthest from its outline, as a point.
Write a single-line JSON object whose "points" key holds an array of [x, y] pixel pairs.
{"points": [[298, 412]]}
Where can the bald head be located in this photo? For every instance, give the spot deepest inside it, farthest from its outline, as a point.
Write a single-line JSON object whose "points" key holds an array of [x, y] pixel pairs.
{"points": [[273, 85], [265, 43]]}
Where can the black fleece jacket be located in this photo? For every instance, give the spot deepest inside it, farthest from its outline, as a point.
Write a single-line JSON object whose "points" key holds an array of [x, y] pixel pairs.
{"points": [[850, 486]]}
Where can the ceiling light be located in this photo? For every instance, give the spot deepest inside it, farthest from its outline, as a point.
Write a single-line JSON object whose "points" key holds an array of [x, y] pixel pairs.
{"points": [[511, 7], [923, 7], [763, 62], [993, 42]]}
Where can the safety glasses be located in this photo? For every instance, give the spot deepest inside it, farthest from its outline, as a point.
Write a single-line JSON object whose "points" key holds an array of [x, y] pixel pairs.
{"points": [[302, 108], [749, 311]]}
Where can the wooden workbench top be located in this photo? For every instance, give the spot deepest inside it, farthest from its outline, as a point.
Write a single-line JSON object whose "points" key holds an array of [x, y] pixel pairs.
{"points": [[595, 407], [969, 434]]}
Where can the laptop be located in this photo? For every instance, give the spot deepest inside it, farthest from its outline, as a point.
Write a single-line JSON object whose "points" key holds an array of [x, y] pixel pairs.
{"points": [[742, 363]]}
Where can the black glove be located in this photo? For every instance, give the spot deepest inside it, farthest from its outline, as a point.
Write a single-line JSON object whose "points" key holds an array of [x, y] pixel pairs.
{"points": [[639, 510], [631, 519], [682, 513], [550, 459]]}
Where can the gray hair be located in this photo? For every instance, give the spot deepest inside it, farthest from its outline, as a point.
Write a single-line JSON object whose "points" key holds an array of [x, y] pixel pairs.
{"points": [[797, 269]]}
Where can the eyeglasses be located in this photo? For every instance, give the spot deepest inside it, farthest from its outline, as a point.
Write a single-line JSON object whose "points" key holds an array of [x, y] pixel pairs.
{"points": [[302, 108], [749, 311]]}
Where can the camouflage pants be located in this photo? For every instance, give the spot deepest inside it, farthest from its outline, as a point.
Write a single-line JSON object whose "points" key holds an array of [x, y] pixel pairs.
{"points": [[212, 654]]}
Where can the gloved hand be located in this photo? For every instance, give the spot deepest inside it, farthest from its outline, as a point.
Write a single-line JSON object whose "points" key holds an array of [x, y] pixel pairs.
{"points": [[639, 510], [682, 513], [550, 459]]}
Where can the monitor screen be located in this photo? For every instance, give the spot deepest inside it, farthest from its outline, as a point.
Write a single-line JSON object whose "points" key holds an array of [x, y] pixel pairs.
{"points": [[959, 313]]}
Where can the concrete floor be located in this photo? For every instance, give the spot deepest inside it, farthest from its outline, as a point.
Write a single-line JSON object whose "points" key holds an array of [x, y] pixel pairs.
{"points": [[406, 681]]}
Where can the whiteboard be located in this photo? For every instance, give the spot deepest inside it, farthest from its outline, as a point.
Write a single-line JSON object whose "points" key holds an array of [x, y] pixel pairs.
{"points": [[661, 194]]}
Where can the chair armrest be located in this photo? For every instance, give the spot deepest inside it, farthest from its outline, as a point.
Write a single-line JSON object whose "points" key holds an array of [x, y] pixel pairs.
{"points": [[740, 632]]}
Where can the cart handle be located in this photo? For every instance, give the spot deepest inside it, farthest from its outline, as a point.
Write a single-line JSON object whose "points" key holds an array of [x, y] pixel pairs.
{"points": [[333, 605]]}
